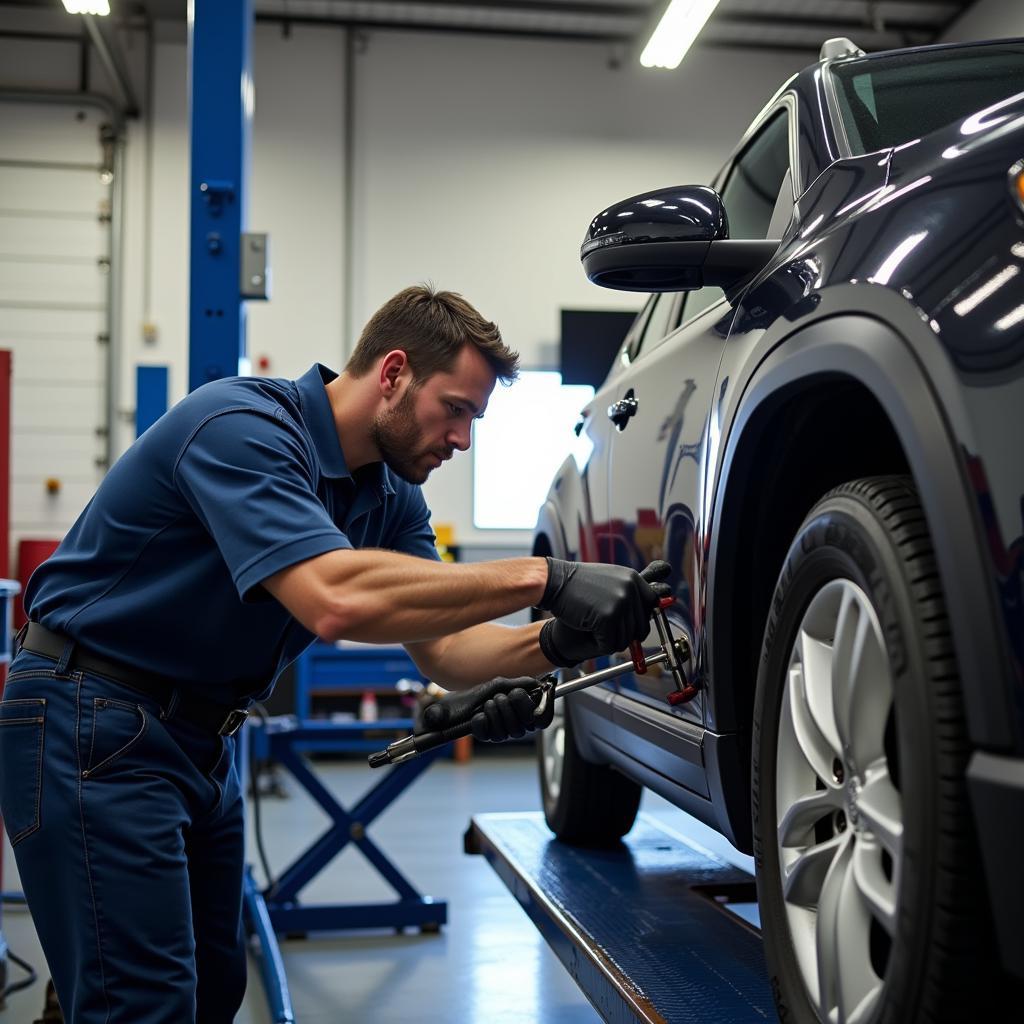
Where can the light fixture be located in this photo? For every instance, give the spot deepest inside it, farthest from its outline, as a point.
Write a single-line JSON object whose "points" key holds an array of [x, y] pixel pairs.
{"points": [[101, 7], [679, 27]]}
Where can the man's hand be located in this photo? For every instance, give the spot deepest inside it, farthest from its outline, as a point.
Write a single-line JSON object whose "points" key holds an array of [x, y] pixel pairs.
{"points": [[598, 608], [497, 711]]}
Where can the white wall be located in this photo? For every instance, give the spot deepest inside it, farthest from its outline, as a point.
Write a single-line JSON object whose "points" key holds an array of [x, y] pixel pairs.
{"points": [[478, 164], [987, 19]]}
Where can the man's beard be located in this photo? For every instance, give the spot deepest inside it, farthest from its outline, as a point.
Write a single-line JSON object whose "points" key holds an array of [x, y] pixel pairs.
{"points": [[399, 440]]}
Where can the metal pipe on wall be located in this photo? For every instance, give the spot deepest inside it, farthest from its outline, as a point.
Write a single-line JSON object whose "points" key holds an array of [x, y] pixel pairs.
{"points": [[349, 198], [115, 292], [110, 55]]}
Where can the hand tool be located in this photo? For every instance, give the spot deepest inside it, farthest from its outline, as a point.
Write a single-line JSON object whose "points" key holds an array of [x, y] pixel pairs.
{"points": [[673, 652]]}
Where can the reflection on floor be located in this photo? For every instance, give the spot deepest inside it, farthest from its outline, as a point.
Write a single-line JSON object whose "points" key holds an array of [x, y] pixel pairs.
{"points": [[489, 963]]}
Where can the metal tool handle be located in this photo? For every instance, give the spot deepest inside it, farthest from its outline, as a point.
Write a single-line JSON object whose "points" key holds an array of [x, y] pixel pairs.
{"points": [[412, 746]]}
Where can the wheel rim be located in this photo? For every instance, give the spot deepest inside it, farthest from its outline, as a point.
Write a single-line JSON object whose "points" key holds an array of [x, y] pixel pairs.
{"points": [[552, 740], [839, 814]]}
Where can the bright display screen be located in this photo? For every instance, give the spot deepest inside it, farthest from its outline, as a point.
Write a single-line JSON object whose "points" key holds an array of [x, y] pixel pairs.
{"points": [[525, 435]]}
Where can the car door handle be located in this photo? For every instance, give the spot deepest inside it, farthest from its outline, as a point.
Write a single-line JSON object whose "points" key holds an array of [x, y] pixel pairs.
{"points": [[620, 412]]}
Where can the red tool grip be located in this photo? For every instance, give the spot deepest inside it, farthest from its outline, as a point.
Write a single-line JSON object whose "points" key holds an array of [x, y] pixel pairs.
{"points": [[677, 697], [637, 654], [666, 602]]}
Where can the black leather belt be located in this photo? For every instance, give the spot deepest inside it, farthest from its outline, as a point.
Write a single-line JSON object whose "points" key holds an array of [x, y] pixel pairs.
{"points": [[204, 713]]}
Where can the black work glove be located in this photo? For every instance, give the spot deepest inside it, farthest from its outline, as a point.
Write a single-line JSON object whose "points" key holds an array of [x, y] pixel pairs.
{"points": [[498, 710], [610, 603]]}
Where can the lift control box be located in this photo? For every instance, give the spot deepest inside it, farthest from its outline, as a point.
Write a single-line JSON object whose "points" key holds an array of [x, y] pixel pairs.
{"points": [[254, 280]]}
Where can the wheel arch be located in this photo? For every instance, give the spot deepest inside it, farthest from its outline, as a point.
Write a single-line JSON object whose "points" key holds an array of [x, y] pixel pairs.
{"points": [[851, 388]]}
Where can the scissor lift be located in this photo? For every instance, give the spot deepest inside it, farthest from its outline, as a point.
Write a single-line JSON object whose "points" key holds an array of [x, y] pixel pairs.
{"points": [[644, 928]]}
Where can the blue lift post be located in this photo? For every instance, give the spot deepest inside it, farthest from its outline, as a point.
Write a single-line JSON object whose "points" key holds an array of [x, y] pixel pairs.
{"points": [[643, 928], [221, 92]]}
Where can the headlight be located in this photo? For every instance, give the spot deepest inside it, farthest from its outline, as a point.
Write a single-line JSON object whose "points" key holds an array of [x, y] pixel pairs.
{"points": [[1016, 183]]}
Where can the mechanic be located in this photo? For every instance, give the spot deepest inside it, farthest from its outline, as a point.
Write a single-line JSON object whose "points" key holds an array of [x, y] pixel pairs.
{"points": [[255, 515]]}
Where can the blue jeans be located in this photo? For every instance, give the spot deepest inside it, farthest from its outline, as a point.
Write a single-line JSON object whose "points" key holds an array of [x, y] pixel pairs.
{"points": [[128, 833]]}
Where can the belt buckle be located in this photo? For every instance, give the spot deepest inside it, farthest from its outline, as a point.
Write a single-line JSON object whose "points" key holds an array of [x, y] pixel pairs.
{"points": [[235, 720]]}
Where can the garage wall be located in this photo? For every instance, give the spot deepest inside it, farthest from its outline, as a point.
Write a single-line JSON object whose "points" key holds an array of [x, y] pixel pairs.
{"points": [[478, 164], [988, 19], [55, 240]]}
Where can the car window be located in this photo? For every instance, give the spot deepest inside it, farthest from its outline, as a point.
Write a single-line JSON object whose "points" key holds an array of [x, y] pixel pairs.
{"points": [[887, 101], [631, 343], [750, 196], [659, 322], [754, 182], [696, 302]]}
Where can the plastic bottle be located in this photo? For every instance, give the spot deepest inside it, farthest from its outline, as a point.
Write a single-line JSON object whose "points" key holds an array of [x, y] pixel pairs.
{"points": [[368, 707]]}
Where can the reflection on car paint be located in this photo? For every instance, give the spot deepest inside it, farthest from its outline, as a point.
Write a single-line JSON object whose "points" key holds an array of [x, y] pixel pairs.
{"points": [[1008, 560]]}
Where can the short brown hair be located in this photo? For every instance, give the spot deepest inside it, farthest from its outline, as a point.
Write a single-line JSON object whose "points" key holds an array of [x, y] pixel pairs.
{"points": [[431, 327]]}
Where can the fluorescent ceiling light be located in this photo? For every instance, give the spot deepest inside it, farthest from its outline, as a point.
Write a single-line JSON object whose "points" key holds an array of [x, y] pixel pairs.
{"points": [[100, 7], [679, 26]]}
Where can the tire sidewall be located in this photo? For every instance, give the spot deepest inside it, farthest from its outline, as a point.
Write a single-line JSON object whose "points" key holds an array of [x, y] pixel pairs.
{"points": [[843, 538], [555, 807]]}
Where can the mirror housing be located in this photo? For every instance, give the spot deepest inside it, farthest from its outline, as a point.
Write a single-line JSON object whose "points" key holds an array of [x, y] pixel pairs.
{"points": [[670, 240]]}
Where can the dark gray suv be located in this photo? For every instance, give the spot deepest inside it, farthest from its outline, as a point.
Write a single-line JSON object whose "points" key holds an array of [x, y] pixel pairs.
{"points": [[817, 419]]}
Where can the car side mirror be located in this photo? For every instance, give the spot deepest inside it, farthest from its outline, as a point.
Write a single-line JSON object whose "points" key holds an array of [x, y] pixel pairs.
{"points": [[670, 240]]}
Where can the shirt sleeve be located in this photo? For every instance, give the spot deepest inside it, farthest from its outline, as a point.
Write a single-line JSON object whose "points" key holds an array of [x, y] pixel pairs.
{"points": [[249, 478], [411, 533]]}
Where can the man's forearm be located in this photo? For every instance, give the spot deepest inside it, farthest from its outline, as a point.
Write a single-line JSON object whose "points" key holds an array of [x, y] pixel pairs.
{"points": [[382, 597], [480, 653]]}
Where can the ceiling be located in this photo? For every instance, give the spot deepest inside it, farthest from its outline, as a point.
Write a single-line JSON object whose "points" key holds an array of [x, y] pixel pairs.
{"points": [[799, 25]]}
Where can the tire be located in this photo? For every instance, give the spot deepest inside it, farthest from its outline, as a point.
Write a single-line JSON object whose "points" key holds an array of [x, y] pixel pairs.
{"points": [[868, 879], [585, 804]]}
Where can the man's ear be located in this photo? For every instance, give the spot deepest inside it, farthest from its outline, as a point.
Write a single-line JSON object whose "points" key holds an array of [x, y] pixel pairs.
{"points": [[393, 368]]}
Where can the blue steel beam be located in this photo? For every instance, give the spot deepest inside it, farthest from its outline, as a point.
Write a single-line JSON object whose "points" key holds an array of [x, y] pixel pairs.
{"points": [[275, 981], [221, 92], [150, 396]]}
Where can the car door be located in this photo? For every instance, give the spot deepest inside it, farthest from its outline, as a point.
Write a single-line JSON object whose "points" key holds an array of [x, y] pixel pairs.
{"points": [[588, 538], [659, 415], [664, 411]]}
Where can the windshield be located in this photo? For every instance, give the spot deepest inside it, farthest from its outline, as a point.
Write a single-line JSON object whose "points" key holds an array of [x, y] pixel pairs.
{"points": [[886, 101]]}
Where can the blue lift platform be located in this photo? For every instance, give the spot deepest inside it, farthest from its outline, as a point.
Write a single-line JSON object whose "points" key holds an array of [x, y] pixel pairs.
{"points": [[643, 928], [277, 909]]}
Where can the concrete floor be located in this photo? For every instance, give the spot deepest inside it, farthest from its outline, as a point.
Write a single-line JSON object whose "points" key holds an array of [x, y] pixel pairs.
{"points": [[488, 964]]}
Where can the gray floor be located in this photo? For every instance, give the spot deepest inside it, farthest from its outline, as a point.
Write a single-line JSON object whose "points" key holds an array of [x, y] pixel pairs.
{"points": [[488, 964]]}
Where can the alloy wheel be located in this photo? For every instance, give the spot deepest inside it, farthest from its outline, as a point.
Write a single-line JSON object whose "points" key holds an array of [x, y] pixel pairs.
{"points": [[839, 815]]}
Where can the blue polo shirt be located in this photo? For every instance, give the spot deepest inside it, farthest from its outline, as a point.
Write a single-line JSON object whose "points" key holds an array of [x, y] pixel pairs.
{"points": [[241, 479]]}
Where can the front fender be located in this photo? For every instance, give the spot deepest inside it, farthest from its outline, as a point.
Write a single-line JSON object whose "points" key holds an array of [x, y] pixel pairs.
{"points": [[896, 357]]}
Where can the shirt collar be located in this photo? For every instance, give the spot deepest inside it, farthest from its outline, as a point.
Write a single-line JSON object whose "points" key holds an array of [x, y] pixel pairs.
{"points": [[316, 411]]}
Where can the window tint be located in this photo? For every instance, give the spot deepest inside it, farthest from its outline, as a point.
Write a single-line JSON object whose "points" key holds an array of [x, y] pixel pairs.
{"points": [[886, 101], [696, 302], [750, 197], [659, 323], [754, 182]]}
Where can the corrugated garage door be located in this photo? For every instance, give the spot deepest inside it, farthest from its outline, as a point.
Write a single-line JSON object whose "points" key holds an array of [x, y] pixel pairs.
{"points": [[54, 266]]}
